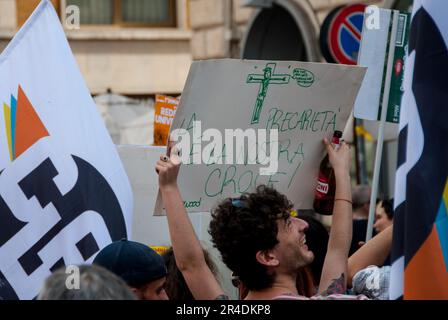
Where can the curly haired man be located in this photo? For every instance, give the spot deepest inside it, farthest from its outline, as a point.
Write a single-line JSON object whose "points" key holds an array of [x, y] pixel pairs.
{"points": [[258, 238]]}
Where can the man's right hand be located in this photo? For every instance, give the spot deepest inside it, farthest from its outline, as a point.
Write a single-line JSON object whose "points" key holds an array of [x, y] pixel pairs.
{"points": [[340, 159], [168, 169]]}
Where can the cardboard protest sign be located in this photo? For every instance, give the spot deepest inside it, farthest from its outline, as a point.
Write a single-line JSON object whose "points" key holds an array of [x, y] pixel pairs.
{"points": [[296, 103], [164, 111], [139, 163]]}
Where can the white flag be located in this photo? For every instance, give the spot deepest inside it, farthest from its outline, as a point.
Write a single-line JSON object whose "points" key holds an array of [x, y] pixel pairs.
{"points": [[64, 194]]}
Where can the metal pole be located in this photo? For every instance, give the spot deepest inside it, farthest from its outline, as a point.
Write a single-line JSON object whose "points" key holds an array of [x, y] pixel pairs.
{"points": [[357, 151], [380, 140]]}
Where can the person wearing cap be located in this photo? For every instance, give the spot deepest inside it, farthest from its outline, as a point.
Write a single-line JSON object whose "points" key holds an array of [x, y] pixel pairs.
{"points": [[138, 265]]}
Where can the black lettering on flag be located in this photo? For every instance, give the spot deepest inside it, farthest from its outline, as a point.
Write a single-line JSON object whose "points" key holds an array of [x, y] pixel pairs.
{"points": [[9, 224], [91, 192], [59, 264], [87, 246], [6, 291]]}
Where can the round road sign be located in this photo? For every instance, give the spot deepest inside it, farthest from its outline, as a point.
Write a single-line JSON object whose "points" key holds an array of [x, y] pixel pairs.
{"points": [[342, 31]]}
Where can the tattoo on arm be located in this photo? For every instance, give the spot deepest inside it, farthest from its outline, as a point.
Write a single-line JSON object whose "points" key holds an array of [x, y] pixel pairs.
{"points": [[337, 286]]}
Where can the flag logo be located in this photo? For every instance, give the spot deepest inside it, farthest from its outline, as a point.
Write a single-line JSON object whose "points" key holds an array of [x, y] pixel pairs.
{"points": [[23, 125]]}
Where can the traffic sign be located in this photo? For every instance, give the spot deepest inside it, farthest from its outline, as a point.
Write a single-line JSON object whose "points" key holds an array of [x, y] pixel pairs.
{"points": [[341, 34]]}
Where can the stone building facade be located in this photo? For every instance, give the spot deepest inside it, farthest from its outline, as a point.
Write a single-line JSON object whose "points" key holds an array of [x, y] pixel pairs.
{"points": [[221, 28], [138, 60], [142, 60]]}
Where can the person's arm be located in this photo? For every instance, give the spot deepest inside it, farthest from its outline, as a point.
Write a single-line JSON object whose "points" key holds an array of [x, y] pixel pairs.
{"points": [[187, 249], [374, 252], [334, 271]]}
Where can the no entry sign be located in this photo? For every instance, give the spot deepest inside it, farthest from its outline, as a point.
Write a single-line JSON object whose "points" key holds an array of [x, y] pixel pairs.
{"points": [[341, 34]]}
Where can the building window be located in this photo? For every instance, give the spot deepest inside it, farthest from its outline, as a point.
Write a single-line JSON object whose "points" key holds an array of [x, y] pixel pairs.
{"points": [[126, 13]]}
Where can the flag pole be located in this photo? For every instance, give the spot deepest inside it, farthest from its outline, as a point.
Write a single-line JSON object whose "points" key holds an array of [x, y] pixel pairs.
{"points": [[380, 140]]}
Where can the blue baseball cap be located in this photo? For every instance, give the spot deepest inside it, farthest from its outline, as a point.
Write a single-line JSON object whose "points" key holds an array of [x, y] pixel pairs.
{"points": [[136, 263]]}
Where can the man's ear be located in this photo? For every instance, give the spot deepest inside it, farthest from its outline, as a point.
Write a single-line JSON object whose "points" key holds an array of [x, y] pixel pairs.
{"points": [[267, 258]]}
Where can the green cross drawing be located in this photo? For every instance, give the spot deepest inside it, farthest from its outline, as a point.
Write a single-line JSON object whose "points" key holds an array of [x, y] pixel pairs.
{"points": [[268, 77]]}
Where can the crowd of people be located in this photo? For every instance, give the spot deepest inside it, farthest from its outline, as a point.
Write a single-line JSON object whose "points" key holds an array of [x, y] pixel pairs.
{"points": [[274, 252]]}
